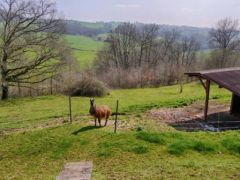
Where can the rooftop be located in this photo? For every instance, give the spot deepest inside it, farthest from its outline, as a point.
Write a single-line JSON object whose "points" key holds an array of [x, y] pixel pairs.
{"points": [[228, 78]]}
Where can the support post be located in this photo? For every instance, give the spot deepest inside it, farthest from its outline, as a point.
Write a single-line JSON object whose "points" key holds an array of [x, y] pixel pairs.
{"points": [[207, 89], [235, 105], [116, 118]]}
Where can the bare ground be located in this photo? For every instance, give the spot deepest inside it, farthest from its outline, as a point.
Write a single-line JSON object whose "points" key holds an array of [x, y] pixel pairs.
{"points": [[190, 118]]}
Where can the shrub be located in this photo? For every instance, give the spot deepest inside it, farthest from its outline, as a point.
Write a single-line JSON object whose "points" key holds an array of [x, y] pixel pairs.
{"points": [[90, 88], [151, 137]]}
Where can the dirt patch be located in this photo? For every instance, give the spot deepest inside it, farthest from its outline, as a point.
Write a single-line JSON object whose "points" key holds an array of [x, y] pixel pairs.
{"points": [[190, 118]]}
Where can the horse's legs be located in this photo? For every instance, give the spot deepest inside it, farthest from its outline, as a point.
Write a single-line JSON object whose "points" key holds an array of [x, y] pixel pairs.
{"points": [[95, 119], [99, 121], [106, 121]]}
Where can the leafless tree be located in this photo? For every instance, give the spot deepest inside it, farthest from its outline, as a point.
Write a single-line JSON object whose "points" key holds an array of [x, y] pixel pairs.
{"points": [[122, 44], [146, 37], [29, 42], [225, 41], [137, 57], [187, 59]]}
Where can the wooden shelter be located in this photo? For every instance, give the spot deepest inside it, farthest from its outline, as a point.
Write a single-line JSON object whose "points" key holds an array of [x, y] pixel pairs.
{"points": [[228, 78]]}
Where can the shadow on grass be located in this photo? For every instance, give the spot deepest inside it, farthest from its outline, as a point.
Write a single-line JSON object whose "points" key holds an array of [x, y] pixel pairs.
{"points": [[84, 129]]}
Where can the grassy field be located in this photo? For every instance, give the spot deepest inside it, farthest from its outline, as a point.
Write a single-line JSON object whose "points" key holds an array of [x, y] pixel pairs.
{"points": [[154, 151], [41, 154], [84, 49], [28, 112]]}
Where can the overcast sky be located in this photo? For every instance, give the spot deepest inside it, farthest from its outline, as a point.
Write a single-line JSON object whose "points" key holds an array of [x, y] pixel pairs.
{"points": [[202, 13]]}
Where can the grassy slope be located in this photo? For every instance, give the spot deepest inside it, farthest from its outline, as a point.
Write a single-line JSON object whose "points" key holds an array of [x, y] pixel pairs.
{"points": [[169, 154], [87, 49], [41, 154], [27, 112]]}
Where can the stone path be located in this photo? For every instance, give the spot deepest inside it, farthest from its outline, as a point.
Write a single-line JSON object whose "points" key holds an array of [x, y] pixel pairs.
{"points": [[76, 171]]}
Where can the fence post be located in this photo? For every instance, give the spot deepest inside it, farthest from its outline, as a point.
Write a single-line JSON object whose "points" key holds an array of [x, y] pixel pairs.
{"points": [[70, 107], [116, 117]]}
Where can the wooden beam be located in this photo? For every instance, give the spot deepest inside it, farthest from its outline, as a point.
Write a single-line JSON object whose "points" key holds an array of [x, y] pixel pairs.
{"points": [[204, 85], [207, 90]]}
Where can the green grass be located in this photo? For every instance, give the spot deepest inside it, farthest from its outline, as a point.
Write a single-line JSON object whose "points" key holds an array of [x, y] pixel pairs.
{"points": [[151, 137], [41, 154], [85, 49], [232, 144], [30, 112], [139, 152], [181, 146]]}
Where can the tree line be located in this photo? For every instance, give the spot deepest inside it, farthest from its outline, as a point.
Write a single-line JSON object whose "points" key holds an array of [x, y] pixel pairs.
{"points": [[137, 57]]}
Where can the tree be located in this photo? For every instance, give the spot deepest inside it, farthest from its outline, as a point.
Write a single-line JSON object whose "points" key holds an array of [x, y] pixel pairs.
{"points": [[146, 36], [123, 44], [29, 42], [225, 41], [188, 53], [137, 57]]}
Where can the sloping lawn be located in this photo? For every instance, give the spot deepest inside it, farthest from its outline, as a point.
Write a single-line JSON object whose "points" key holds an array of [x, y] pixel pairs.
{"points": [[41, 154]]}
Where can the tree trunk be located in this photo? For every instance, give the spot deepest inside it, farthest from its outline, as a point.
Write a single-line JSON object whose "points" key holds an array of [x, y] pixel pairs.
{"points": [[4, 87], [181, 87], [51, 85], [19, 90], [4, 82]]}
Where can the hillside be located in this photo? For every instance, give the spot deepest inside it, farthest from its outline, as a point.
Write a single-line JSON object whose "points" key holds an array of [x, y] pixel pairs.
{"points": [[87, 38], [92, 29], [84, 48]]}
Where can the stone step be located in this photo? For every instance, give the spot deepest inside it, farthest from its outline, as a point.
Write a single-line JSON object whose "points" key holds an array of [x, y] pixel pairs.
{"points": [[76, 171]]}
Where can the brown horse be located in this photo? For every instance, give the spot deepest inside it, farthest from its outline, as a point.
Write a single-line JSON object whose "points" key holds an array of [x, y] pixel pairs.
{"points": [[99, 112]]}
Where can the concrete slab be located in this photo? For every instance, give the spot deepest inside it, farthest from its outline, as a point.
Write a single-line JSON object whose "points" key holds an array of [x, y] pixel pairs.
{"points": [[76, 171]]}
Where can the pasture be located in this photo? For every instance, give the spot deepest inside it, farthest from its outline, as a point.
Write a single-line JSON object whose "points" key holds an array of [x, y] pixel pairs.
{"points": [[36, 139], [84, 49], [29, 112]]}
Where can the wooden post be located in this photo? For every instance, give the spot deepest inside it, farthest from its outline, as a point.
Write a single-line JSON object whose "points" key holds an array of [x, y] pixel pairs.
{"points": [[116, 117], [69, 93], [70, 107], [235, 105], [207, 89]]}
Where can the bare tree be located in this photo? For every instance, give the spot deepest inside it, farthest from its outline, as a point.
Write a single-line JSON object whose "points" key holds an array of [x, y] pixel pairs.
{"points": [[187, 59], [123, 43], [137, 57], [225, 41], [146, 37], [29, 42]]}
